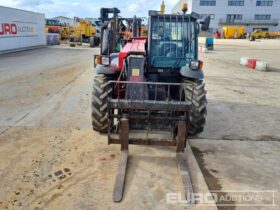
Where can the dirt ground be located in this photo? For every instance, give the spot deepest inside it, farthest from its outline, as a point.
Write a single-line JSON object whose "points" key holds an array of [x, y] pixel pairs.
{"points": [[51, 158]]}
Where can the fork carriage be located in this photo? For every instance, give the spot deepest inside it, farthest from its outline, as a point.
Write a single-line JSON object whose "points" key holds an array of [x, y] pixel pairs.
{"points": [[128, 112]]}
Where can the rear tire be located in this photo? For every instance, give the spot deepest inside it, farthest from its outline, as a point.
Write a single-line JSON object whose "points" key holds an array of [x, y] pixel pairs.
{"points": [[196, 93], [100, 94]]}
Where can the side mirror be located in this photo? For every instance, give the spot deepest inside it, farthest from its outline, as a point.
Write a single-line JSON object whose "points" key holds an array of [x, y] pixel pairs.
{"points": [[205, 23]]}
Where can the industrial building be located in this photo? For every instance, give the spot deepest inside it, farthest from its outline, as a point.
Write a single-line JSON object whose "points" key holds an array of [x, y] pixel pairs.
{"points": [[252, 14]]}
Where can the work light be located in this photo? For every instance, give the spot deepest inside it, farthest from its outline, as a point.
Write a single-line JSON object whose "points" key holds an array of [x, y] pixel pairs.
{"points": [[194, 64], [105, 60]]}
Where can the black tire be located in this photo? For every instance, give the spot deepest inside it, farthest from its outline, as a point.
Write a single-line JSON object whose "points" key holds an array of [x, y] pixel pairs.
{"points": [[196, 93], [252, 38], [91, 41], [100, 94], [96, 41]]}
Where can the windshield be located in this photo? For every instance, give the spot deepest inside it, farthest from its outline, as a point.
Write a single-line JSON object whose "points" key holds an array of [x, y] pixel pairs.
{"points": [[172, 41]]}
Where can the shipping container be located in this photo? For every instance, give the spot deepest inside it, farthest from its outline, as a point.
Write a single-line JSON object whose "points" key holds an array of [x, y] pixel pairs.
{"points": [[20, 30]]}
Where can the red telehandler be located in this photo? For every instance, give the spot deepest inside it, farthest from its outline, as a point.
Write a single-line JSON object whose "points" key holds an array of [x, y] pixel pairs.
{"points": [[149, 90]]}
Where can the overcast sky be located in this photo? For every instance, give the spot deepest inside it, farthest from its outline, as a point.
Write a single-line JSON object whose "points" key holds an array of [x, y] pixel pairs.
{"points": [[88, 8]]}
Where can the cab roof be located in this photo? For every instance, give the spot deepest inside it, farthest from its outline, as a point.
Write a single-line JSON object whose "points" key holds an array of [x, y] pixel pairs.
{"points": [[153, 13]]}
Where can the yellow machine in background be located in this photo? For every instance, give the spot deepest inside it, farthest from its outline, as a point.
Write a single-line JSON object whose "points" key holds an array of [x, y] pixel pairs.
{"points": [[258, 34], [261, 34], [274, 35], [84, 29], [84, 32], [144, 30], [233, 32], [66, 32]]}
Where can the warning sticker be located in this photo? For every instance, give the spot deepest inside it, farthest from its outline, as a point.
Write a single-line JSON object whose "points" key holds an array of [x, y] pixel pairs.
{"points": [[135, 72]]}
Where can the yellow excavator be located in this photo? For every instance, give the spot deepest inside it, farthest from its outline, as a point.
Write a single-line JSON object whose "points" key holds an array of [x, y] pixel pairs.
{"points": [[84, 32]]}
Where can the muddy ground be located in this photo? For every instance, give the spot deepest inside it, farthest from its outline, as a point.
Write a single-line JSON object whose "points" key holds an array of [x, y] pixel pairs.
{"points": [[51, 158]]}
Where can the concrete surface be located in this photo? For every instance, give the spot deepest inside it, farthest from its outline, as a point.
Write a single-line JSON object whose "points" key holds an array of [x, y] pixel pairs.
{"points": [[51, 158], [239, 149], [243, 103], [241, 168]]}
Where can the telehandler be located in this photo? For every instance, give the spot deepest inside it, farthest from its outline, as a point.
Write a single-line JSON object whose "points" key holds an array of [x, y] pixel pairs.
{"points": [[151, 91]]}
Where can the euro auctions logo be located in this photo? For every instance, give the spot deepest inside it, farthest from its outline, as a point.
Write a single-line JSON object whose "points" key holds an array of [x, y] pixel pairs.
{"points": [[227, 198], [8, 29], [17, 28]]}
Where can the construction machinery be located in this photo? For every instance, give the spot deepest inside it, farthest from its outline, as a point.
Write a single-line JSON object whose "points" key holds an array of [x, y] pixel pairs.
{"points": [[52, 26], [66, 32], [258, 34], [84, 32], [234, 32], [261, 34], [150, 90]]}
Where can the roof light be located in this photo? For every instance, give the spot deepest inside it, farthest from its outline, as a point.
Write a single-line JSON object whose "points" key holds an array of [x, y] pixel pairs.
{"points": [[185, 8]]}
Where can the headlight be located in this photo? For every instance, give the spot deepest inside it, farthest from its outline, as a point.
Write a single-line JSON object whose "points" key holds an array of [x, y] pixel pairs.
{"points": [[105, 61], [195, 64]]}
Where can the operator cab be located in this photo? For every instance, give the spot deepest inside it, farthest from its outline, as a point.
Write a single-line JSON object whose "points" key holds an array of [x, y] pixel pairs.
{"points": [[172, 41]]}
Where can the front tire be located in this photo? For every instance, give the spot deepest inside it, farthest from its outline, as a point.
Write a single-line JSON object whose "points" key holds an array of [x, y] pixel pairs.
{"points": [[195, 93], [100, 94]]}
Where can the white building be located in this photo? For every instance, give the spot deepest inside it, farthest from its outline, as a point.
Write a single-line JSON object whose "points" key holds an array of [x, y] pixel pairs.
{"points": [[252, 14]]}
